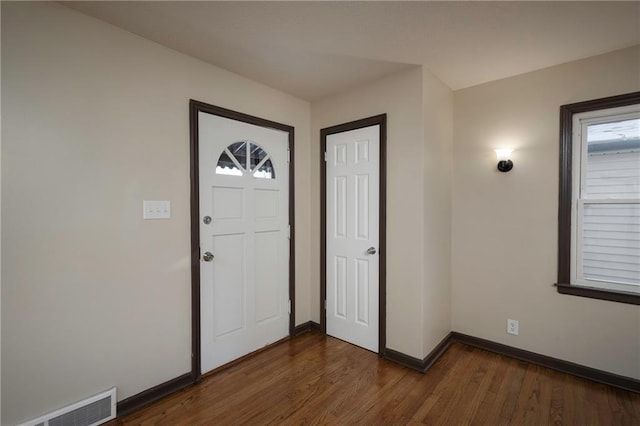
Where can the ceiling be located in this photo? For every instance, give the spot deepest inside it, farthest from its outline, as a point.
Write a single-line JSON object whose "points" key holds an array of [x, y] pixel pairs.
{"points": [[316, 49]]}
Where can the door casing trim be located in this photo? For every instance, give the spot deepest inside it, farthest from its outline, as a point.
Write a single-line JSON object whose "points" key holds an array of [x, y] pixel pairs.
{"points": [[194, 108], [380, 120]]}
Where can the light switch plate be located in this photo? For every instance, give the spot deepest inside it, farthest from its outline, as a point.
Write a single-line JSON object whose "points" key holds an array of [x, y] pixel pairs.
{"points": [[156, 209]]}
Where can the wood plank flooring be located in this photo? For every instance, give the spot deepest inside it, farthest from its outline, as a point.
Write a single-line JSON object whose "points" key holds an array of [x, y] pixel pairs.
{"points": [[314, 379]]}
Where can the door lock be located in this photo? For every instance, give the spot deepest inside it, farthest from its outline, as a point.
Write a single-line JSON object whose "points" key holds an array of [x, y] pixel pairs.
{"points": [[206, 220], [208, 256]]}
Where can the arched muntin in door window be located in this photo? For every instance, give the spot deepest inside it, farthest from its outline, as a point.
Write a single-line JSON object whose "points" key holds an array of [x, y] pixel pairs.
{"points": [[245, 157]]}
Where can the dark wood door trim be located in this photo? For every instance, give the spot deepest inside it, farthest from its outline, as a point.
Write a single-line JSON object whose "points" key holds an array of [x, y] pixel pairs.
{"points": [[194, 108], [380, 120]]}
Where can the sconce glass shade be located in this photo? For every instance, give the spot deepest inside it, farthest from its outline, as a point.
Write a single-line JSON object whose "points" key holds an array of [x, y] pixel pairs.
{"points": [[503, 154], [504, 159]]}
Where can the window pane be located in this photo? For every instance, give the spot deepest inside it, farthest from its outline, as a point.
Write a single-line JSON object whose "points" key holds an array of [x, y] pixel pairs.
{"points": [[257, 155], [226, 166], [265, 171], [611, 243], [239, 150], [613, 160]]}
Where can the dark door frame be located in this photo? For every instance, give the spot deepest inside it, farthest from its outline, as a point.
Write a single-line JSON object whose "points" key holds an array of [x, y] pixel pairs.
{"points": [[380, 120], [194, 108]]}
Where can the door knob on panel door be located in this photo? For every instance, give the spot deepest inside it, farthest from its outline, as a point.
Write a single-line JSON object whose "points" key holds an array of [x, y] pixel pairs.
{"points": [[371, 250], [208, 256]]}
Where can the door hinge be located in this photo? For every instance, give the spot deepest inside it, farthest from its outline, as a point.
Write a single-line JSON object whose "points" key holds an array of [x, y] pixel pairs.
{"points": [[289, 306], [289, 231], [325, 156], [325, 304], [288, 155]]}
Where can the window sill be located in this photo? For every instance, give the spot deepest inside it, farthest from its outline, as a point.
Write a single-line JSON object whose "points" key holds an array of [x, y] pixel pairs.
{"points": [[598, 293]]}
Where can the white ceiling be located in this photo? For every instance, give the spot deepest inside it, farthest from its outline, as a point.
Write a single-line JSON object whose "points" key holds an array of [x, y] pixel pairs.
{"points": [[316, 49]]}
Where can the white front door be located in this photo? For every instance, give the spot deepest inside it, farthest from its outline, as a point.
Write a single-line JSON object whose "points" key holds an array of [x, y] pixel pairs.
{"points": [[244, 245], [352, 228]]}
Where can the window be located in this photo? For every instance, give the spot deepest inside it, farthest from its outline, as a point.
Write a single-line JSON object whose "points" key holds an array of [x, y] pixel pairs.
{"points": [[599, 217], [245, 157]]}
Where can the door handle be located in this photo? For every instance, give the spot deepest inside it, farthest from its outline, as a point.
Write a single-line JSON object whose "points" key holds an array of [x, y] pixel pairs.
{"points": [[208, 256], [371, 250]]}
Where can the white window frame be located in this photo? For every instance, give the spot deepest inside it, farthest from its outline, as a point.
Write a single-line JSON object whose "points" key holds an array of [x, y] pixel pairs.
{"points": [[581, 121]]}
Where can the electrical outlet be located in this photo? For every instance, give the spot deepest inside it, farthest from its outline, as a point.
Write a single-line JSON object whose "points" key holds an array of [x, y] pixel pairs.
{"points": [[513, 327]]}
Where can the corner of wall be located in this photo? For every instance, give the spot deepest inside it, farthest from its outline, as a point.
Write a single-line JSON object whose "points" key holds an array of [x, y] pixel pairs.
{"points": [[399, 96], [437, 108]]}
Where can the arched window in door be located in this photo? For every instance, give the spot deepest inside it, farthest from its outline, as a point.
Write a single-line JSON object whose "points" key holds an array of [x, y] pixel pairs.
{"points": [[245, 157]]}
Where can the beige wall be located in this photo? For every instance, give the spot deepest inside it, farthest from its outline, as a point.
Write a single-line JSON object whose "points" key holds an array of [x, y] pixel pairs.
{"points": [[505, 225], [419, 112], [437, 101], [96, 120], [400, 97]]}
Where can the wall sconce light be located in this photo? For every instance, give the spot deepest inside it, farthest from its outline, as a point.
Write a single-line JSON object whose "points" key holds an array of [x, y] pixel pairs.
{"points": [[504, 159]]}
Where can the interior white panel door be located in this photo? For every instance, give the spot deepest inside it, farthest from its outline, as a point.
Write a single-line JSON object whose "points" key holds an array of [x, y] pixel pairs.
{"points": [[353, 189], [244, 208]]}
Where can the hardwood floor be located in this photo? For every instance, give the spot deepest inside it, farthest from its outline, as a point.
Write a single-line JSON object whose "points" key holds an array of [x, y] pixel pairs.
{"points": [[314, 379]]}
